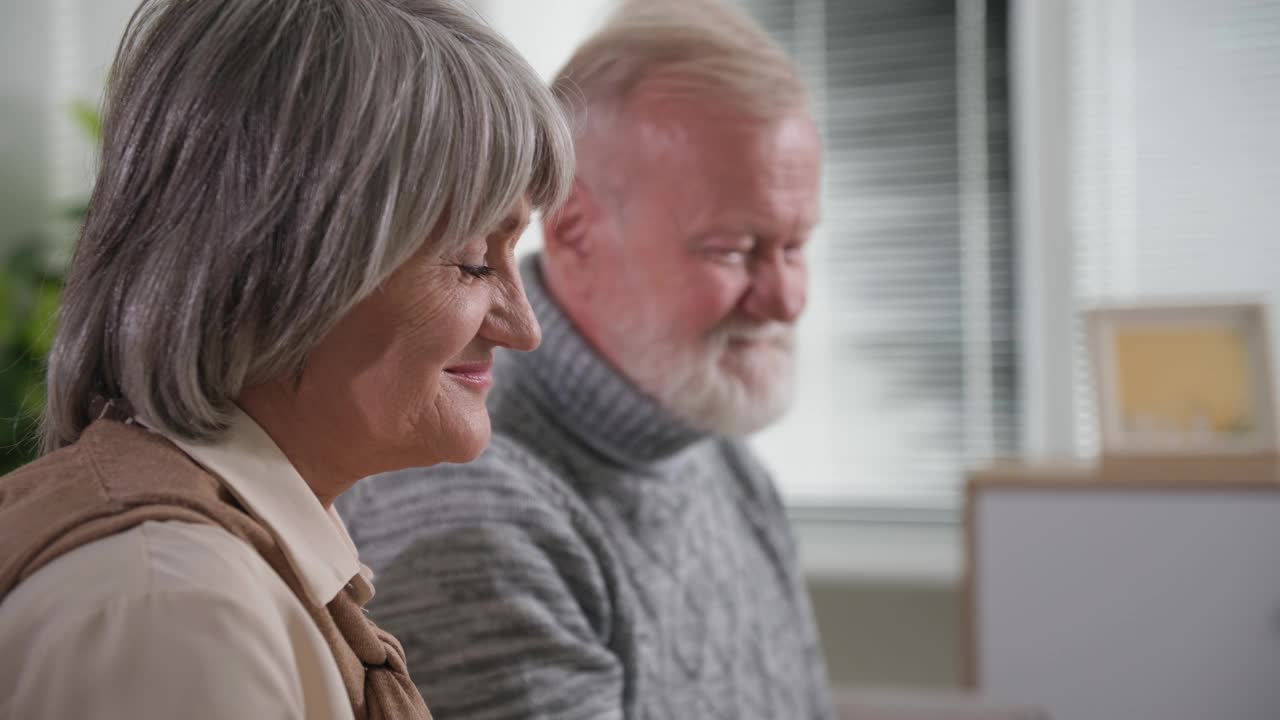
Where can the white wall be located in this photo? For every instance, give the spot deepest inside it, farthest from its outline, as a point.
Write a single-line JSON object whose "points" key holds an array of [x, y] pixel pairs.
{"points": [[546, 34], [23, 104], [52, 52]]}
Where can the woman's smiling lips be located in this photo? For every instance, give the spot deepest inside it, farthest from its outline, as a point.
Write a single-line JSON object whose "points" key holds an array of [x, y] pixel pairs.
{"points": [[476, 374]]}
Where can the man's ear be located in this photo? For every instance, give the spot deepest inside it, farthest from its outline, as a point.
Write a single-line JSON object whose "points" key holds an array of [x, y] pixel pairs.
{"points": [[568, 229]]}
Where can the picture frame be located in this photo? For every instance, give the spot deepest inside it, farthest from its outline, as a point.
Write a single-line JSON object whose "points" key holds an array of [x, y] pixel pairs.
{"points": [[1183, 379]]}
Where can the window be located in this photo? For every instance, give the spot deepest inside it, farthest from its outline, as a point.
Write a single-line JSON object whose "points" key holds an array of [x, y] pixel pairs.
{"points": [[908, 361], [1175, 106]]}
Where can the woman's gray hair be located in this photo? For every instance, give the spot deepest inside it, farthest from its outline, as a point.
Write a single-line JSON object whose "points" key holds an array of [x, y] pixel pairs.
{"points": [[266, 165]]}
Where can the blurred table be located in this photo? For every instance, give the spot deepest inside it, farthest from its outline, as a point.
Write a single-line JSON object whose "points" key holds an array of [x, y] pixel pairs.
{"points": [[1143, 588], [927, 705]]}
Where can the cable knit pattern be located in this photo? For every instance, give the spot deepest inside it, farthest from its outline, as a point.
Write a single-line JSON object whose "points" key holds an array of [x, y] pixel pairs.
{"points": [[600, 560]]}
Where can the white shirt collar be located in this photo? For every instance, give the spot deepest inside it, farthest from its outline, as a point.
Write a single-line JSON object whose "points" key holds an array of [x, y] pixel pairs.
{"points": [[257, 472]]}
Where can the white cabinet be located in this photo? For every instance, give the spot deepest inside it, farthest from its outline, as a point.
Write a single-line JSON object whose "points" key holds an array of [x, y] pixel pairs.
{"points": [[1143, 593]]}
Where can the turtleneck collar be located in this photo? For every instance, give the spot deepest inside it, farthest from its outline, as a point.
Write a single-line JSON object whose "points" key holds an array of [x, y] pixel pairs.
{"points": [[587, 395]]}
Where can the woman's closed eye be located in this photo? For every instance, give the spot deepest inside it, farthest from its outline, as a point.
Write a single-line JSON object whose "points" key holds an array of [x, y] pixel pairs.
{"points": [[479, 271]]}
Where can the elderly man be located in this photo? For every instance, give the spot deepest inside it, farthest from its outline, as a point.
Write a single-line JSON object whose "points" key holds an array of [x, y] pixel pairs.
{"points": [[618, 552]]}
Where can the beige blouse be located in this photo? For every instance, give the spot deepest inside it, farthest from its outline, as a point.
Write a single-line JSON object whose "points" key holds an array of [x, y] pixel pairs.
{"points": [[164, 603]]}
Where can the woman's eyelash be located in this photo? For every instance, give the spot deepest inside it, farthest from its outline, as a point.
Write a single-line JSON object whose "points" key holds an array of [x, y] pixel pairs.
{"points": [[479, 271]]}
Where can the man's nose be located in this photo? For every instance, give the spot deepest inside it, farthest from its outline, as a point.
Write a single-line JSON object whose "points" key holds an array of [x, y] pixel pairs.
{"points": [[778, 289]]}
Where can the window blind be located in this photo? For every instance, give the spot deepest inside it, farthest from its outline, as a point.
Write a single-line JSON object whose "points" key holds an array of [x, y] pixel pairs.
{"points": [[908, 358]]}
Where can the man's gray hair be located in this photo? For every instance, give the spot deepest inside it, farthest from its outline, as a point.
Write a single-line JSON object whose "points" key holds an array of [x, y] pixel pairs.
{"points": [[700, 49], [266, 165]]}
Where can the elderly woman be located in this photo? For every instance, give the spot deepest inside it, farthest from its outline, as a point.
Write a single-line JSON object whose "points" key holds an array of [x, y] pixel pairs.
{"points": [[296, 266]]}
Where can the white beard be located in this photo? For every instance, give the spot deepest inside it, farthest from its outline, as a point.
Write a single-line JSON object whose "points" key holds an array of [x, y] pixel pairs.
{"points": [[736, 381]]}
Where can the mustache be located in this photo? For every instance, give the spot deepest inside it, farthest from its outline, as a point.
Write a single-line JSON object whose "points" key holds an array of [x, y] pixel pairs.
{"points": [[780, 335]]}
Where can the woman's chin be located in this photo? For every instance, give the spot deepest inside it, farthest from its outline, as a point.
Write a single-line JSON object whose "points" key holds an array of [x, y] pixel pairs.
{"points": [[467, 443]]}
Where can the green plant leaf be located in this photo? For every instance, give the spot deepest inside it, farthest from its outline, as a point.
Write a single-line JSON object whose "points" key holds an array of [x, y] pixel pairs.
{"points": [[43, 323], [8, 314], [31, 400], [88, 118]]}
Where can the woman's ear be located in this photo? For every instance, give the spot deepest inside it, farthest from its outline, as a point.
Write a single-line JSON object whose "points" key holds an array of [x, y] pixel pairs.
{"points": [[568, 229]]}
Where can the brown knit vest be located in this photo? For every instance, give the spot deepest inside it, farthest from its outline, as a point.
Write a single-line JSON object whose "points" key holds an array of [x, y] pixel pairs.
{"points": [[116, 477]]}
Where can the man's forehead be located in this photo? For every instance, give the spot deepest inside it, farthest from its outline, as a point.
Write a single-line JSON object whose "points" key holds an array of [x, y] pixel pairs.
{"points": [[707, 166], [682, 113], [690, 144]]}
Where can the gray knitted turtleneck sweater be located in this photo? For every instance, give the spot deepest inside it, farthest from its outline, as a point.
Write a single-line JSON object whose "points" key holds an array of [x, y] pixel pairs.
{"points": [[600, 560]]}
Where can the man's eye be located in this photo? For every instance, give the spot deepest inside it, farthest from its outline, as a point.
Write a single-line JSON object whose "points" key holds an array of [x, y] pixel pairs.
{"points": [[479, 271], [733, 255]]}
